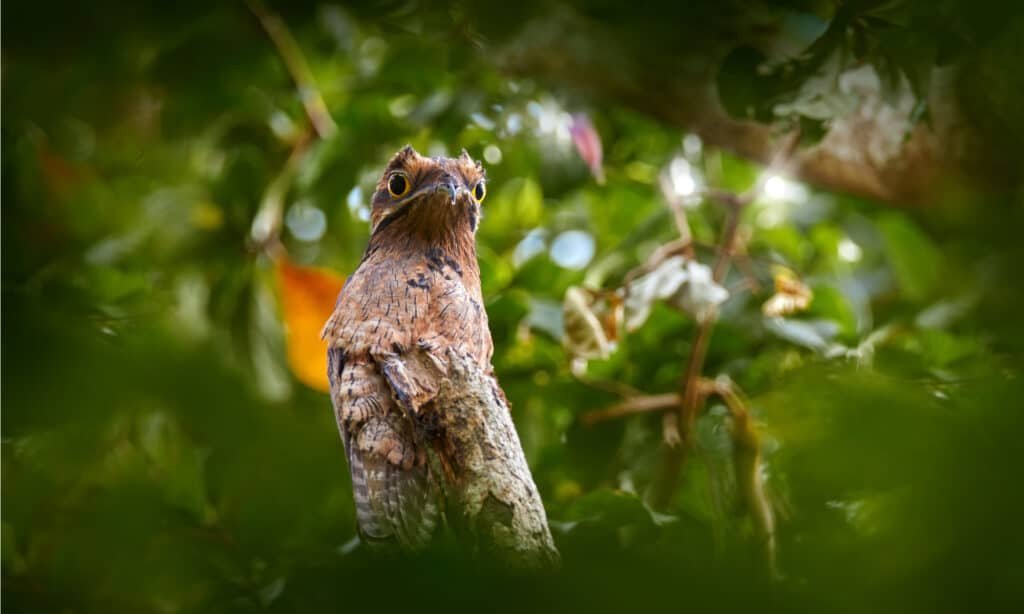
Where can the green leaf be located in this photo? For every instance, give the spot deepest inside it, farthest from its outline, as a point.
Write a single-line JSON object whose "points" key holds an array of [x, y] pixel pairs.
{"points": [[915, 261], [610, 507], [741, 89], [943, 349], [829, 302], [518, 204]]}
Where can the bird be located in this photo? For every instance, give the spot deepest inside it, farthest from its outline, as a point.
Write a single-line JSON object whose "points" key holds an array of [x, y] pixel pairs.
{"points": [[416, 293]]}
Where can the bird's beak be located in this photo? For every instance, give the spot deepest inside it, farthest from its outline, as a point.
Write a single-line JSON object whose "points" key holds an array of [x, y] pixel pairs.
{"points": [[451, 190]]}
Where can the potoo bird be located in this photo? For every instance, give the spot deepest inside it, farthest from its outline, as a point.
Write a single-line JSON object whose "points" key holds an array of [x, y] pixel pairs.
{"points": [[417, 287]]}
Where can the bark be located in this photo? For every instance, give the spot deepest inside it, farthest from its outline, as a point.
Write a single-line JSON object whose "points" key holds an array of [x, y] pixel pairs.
{"points": [[492, 500]]}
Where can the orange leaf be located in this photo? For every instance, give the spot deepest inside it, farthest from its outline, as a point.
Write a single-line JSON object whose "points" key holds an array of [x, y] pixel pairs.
{"points": [[307, 300]]}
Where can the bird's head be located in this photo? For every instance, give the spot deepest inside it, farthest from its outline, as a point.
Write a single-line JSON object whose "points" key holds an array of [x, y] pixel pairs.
{"points": [[429, 196]]}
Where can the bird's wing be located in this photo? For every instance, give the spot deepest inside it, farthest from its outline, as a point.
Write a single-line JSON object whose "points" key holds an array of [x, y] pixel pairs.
{"points": [[395, 494]]}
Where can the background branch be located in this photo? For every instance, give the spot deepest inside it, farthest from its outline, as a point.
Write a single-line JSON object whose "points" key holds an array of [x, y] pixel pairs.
{"points": [[635, 405], [297, 67]]}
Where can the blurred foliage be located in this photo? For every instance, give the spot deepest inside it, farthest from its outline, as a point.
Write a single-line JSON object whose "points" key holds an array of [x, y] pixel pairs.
{"points": [[159, 453]]}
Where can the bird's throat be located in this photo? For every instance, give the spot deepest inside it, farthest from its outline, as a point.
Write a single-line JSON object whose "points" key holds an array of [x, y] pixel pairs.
{"points": [[431, 221], [431, 229]]}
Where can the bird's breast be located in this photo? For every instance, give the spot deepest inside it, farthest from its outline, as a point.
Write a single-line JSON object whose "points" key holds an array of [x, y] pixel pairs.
{"points": [[393, 304]]}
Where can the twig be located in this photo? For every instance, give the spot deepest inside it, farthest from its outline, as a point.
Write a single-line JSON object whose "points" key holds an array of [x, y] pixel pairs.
{"points": [[695, 362], [747, 466], [635, 405], [727, 198], [691, 397], [659, 255], [297, 67], [664, 251], [780, 162], [617, 388], [732, 224], [675, 204], [743, 263], [266, 226]]}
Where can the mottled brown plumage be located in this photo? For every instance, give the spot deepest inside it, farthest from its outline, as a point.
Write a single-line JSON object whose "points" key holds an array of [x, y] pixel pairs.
{"points": [[417, 287]]}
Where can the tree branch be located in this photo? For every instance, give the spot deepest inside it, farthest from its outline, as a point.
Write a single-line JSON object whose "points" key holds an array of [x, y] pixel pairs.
{"points": [[635, 405], [297, 67]]}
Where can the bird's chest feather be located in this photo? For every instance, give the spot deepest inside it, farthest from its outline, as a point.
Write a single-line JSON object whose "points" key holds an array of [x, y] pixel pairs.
{"points": [[394, 302]]}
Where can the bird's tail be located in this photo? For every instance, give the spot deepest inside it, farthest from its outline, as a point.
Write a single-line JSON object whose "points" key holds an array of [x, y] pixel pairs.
{"points": [[396, 497]]}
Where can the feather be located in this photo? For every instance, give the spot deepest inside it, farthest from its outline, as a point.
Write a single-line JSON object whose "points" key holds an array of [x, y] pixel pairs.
{"points": [[394, 492]]}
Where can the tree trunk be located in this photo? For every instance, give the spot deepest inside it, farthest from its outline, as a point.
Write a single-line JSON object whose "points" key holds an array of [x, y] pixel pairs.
{"points": [[491, 498]]}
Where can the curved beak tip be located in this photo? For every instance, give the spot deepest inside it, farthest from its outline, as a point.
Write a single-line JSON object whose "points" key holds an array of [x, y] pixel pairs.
{"points": [[451, 190]]}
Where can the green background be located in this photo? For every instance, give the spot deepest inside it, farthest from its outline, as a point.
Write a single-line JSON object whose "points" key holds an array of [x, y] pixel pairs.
{"points": [[159, 456]]}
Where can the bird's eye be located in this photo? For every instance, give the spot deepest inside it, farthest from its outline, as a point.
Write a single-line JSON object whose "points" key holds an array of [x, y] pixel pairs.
{"points": [[479, 192], [398, 185]]}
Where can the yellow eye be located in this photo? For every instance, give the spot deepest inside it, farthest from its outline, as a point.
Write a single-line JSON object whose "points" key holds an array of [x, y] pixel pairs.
{"points": [[398, 185], [479, 192]]}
